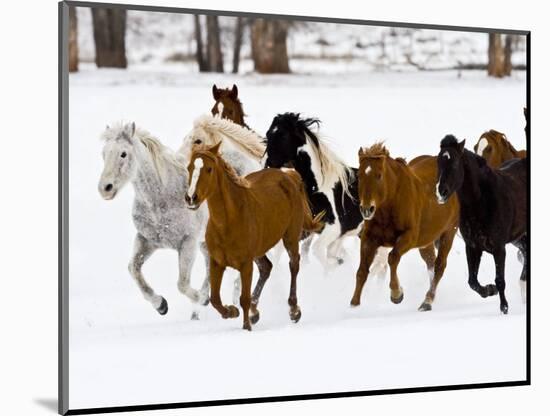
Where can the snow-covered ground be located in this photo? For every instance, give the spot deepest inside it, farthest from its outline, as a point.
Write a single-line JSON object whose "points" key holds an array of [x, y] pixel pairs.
{"points": [[122, 352]]}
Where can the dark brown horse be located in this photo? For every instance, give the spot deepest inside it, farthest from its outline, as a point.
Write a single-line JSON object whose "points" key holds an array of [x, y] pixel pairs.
{"points": [[248, 216], [228, 104], [400, 211], [495, 148]]}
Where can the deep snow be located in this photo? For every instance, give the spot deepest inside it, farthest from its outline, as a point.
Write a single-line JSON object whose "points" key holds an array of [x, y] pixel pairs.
{"points": [[122, 352]]}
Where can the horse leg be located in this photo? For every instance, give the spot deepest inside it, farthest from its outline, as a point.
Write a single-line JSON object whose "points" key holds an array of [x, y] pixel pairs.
{"points": [[216, 275], [142, 251], [264, 266], [293, 250], [186, 255], [205, 288], [368, 251], [379, 265], [275, 253], [521, 244], [329, 234], [335, 251], [500, 258], [445, 244], [246, 279], [473, 255], [403, 244], [428, 255], [306, 245]]}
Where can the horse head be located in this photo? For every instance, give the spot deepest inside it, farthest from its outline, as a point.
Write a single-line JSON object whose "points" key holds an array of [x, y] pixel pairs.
{"points": [[227, 104], [450, 168], [119, 159], [373, 185], [202, 175]]}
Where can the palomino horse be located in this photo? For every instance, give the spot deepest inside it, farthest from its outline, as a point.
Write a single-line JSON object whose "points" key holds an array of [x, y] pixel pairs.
{"points": [[330, 184], [400, 211], [495, 148], [247, 216], [228, 105], [159, 178], [493, 209]]}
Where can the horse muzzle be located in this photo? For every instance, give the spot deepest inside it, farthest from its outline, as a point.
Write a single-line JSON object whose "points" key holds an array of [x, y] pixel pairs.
{"points": [[192, 202], [442, 196], [368, 213], [107, 191]]}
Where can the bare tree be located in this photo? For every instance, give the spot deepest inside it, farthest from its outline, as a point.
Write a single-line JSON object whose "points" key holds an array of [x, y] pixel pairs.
{"points": [[495, 68], [508, 55], [214, 50], [237, 44], [73, 40], [268, 40], [200, 49], [109, 37]]}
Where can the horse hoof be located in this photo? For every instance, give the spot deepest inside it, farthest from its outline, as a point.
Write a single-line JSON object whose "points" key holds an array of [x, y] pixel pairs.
{"points": [[425, 307], [340, 261], [232, 312], [504, 309], [254, 318], [398, 299], [206, 301], [295, 315], [354, 303], [194, 316], [163, 307], [491, 290]]}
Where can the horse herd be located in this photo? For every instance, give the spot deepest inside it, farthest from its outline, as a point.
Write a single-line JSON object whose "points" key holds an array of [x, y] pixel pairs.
{"points": [[242, 198]]}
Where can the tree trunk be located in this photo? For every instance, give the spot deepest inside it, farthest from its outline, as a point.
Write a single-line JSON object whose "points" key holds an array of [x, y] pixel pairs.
{"points": [[508, 55], [73, 40], [495, 68], [214, 50], [268, 39], [237, 44], [109, 37], [200, 49]]}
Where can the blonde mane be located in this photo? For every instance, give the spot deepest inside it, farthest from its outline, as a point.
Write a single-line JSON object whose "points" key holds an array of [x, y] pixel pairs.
{"points": [[499, 137], [248, 141], [375, 151], [160, 154], [333, 168]]}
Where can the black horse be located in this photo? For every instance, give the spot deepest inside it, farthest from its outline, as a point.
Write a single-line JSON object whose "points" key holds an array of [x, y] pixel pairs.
{"points": [[331, 185], [493, 209]]}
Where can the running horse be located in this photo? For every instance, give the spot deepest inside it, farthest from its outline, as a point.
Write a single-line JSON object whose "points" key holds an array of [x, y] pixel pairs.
{"points": [[493, 210], [247, 217], [495, 148], [400, 211]]}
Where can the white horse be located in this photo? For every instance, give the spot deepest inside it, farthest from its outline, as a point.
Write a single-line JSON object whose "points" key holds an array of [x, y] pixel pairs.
{"points": [[159, 177]]}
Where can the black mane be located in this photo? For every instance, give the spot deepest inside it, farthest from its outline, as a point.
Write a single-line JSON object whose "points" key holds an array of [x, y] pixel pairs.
{"points": [[290, 121]]}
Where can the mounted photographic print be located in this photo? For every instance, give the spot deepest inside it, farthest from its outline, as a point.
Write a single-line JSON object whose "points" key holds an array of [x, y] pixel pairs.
{"points": [[260, 208]]}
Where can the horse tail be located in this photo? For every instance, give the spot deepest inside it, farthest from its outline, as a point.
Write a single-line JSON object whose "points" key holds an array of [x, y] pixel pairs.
{"points": [[311, 223]]}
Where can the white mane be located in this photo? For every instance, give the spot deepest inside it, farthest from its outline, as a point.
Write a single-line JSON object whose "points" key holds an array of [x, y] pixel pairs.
{"points": [[333, 169], [160, 154], [216, 128]]}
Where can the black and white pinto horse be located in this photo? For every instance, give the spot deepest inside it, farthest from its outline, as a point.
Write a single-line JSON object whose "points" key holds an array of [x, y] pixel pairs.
{"points": [[330, 184], [493, 210]]}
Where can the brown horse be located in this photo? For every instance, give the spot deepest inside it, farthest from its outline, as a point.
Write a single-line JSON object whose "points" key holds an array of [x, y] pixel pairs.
{"points": [[400, 211], [495, 148], [228, 104], [248, 216]]}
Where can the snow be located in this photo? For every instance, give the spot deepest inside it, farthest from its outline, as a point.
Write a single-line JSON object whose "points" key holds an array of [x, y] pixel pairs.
{"points": [[122, 352]]}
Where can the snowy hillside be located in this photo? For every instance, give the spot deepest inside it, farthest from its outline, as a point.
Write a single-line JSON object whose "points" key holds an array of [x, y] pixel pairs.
{"points": [[162, 38], [122, 352]]}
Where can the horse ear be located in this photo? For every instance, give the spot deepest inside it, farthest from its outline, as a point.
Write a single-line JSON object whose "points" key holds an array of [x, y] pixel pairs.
{"points": [[130, 129], [234, 92], [216, 148], [361, 152], [215, 92], [461, 145]]}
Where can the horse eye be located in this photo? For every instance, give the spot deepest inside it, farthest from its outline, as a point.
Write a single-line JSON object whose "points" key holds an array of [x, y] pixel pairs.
{"points": [[488, 149], [209, 170], [378, 176], [198, 141], [123, 155]]}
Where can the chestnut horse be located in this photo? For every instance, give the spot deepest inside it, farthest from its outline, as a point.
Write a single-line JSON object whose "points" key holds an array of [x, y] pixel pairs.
{"points": [[400, 211], [495, 148], [248, 216], [228, 105]]}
